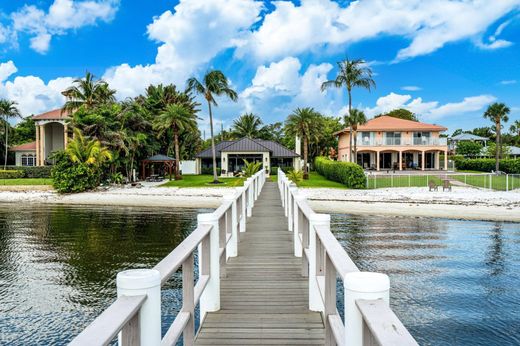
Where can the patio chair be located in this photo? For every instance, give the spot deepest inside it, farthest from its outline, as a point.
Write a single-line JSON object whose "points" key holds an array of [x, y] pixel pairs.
{"points": [[446, 185], [433, 186]]}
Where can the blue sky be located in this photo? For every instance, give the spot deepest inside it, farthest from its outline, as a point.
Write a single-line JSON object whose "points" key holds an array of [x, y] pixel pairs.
{"points": [[445, 60]]}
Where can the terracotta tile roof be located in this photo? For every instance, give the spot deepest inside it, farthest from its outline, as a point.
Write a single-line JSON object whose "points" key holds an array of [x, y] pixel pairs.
{"points": [[387, 123], [24, 147], [51, 115]]}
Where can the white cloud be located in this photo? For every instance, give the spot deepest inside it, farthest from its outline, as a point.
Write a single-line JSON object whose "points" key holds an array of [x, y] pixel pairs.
{"points": [[62, 15], [411, 88], [31, 93], [508, 82], [292, 29], [429, 110], [190, 37]]}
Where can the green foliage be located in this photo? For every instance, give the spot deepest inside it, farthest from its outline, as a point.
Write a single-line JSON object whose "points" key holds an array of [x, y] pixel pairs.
{"points": [[469, 148], [400, 113], [492, 148], [347, 173], [87, 151], [24, 132], [511, 166], [295, 176], [11, 174], [88, 93], [68, 176], [273, 171], [33, 171], [251, 168], [117, 178], [209, 170]]}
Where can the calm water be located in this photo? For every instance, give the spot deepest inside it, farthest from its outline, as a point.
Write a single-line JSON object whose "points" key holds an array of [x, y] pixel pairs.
{"points": [[58, 265], [453, 282]]}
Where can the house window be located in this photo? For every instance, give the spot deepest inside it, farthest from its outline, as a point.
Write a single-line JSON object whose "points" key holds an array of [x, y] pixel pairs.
{"points": [[393, 138], [421, 138], [28, 160], [24, 160], [365, 138]]}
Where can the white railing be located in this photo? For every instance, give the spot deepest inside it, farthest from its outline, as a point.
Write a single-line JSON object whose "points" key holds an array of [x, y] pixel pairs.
{"points": [[369, 319], [136, 314], [406, 141]]}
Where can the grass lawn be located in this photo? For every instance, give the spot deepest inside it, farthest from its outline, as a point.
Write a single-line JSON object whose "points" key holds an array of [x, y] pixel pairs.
{"points": [[318, 180], [496, 182], [204, 181], [26, 181], [377, 182]]}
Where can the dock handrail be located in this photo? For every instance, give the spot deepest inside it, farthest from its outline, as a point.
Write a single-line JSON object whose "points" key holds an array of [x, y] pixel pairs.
{"points": [[136, 313], [370, 320]]}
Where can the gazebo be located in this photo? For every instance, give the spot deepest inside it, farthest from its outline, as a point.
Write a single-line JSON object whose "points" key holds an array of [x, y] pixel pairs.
{"points": [[168, 164]]}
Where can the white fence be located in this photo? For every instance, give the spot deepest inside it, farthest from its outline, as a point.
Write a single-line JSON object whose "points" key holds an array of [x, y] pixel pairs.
{"points": [[136, 314], [369, 319]]}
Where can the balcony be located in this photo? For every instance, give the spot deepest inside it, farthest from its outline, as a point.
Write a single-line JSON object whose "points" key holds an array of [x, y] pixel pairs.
{"points": [[403, 142]]}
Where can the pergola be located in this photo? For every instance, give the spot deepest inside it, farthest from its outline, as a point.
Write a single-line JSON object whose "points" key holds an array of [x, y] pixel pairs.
{"points": [[168, 162]]}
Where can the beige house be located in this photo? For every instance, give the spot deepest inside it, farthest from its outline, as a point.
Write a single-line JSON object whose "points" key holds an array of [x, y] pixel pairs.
{"points": [[386, 142]]}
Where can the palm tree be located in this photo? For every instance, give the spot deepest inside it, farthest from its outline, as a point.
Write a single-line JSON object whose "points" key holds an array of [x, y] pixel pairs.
{"points": [[497, 112], [247, 125], [8, 110], [515, 127], [177, 118], [214, 84], [87, 92], [353, 120], [351, 73], [303, 122], [87, 151]]}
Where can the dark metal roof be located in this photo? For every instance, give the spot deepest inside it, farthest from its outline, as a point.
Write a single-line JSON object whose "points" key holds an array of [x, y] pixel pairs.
{"points": [[159, 158], [250, 146]]}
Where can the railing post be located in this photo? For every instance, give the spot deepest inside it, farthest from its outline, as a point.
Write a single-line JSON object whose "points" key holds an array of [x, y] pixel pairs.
{"points": [[210, 298], [187, 300], [287, 200], [330, 299], [290, 218], [232, 246], [361, 285], [249, 194], [298, 225], [315, 302], [136, 282], [243, 206]]}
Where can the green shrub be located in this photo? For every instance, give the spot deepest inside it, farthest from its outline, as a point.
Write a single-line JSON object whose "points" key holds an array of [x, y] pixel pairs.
{"points": [[33, 171], [68, 176], [209, 171], [11, 174], [274, 171], [295, 176], [511, 166], [251, 168], [346, 173]]}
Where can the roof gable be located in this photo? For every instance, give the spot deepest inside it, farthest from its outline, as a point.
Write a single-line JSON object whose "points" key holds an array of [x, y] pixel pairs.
{"points": [[245, 145], [24, 147], [55, 114]]}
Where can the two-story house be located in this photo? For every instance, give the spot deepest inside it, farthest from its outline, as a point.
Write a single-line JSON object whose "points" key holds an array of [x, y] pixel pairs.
{"points": [[392, 143]]}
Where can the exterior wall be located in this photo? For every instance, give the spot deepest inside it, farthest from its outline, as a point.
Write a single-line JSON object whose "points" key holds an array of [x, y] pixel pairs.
{"points": [[188, 167], [50, 137], [19, 154]]}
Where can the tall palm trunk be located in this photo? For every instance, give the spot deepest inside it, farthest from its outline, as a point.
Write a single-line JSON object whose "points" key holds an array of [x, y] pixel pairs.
{"points": [[350, 133], [354, 133], [305, 157], [6, 142], [213, 151], [498, 147], [178, 176]]}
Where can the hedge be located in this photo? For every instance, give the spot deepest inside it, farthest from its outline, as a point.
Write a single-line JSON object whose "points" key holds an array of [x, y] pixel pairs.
{"points": [[274, 171], [11, 174], [33, 171], [347, 173], [510, 166]]}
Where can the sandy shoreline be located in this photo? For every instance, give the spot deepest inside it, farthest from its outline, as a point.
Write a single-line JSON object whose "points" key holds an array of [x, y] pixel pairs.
{"points": [[461, 203]]}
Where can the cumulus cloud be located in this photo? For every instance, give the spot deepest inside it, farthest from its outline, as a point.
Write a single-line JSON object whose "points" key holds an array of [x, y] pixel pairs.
{"points": [[429, 110], [6, 70], [291, 29], [62, 15], [189, 38]]}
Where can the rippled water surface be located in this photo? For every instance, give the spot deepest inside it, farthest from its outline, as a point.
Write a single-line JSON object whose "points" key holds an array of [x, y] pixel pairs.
{"points": [[58, 264], [453, 282]]}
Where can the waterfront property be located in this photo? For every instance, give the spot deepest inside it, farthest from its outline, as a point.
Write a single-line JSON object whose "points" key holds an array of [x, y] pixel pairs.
{"points": [[391, 143], [231, 155]]}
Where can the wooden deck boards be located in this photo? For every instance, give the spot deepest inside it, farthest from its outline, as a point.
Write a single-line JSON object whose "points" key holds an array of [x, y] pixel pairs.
{"points": [[264, 298]]}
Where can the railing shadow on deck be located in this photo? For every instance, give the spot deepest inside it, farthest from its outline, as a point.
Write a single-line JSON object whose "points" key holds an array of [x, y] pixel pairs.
{"points": [[370, 321], [135, 316]]}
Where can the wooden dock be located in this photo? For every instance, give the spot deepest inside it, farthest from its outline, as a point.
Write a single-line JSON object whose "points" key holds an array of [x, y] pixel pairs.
{"points": [[264, 297]]}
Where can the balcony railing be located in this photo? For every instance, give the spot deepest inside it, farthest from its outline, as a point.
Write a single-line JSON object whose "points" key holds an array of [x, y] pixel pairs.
{"points": [[403, 142]]}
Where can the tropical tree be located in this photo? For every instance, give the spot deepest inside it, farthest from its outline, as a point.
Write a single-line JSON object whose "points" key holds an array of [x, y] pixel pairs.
{"points": [[8, 109], [87, 151], [176, 118], [353, 120], [213, 84], [247, 125], [400, 113], [302, 122], [351, 74], [515, 128], [87, 92], [497, 113]]}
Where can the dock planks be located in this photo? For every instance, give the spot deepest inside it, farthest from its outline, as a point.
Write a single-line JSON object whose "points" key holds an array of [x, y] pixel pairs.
{"points": [[264, 298]]}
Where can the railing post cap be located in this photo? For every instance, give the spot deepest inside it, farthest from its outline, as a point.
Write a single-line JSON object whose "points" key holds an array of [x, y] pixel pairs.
{"points": [[315, 217], [366, 282], [137, 279], [207, 217]]}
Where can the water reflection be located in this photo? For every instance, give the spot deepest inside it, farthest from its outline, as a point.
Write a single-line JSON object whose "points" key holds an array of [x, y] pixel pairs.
{"points": [[453, 282], [58, 264]]}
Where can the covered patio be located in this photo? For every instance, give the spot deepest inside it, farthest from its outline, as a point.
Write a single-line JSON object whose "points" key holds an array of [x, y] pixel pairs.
{"points": [[157, 165]]}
